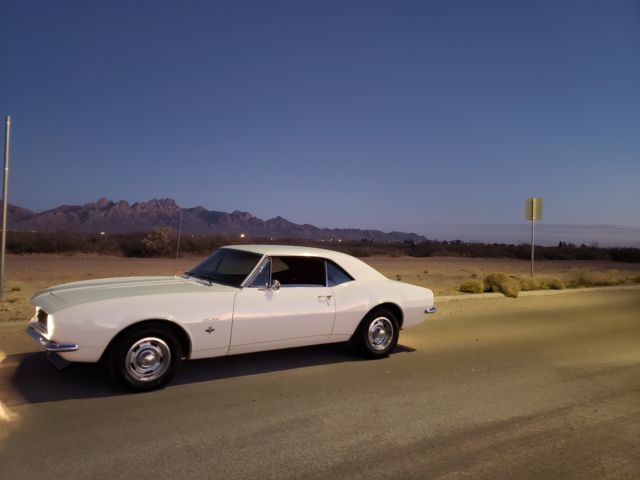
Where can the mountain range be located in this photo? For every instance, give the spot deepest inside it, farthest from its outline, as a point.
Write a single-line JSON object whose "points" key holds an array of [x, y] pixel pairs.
{"points": [[121, 217]]}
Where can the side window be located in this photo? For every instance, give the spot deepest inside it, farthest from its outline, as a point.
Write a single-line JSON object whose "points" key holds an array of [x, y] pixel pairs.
{"points": [[298, 271], [263, 278], [336, 275]]}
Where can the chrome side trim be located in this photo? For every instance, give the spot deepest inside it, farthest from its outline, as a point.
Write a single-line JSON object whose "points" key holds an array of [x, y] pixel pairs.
{"points": [[50, 346], [430, 310]]}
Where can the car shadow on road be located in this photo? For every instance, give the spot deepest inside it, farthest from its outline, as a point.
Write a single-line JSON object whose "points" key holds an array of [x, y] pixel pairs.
{"points": [[31, 378]]}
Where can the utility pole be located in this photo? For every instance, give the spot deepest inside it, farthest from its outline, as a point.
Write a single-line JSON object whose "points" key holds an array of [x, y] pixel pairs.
{"points": [[5, 201], [179, 235]]}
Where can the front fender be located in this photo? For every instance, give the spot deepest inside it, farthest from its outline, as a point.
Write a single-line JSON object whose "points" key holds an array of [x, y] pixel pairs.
{"points": [[93, 325]]}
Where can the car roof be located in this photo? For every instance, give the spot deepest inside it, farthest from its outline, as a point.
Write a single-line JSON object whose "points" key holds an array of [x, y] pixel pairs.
{"points": [[355, 267]]}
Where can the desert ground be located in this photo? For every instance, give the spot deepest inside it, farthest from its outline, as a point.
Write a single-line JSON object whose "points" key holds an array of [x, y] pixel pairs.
{"points": [[28, 273], [533, 387]]}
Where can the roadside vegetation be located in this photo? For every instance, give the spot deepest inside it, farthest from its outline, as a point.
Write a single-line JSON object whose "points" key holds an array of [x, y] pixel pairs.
{"points": [[511, 285], [162, 242]]}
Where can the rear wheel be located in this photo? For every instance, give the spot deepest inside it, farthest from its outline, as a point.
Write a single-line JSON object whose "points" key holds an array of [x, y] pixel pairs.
{"points": [[145, 358], [377, 334]]}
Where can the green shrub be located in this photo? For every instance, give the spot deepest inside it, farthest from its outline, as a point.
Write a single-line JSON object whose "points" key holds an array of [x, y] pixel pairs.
{"points": [[529, 283], [501, 282], [472, 286]]}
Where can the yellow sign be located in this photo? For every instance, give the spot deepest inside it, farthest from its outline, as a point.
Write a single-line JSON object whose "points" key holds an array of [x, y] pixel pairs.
{"points": [[533, 209]]}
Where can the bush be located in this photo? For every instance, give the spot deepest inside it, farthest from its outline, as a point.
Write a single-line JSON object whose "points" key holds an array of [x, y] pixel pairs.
{"points": [[585, 278], [501, 282], [472, 286], [158, 241], [529, 283], [494, 281], [511, 289], [554, 284]]}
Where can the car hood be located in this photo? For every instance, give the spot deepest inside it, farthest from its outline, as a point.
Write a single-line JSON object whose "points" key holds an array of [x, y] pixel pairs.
{"points": [[62, 296]]}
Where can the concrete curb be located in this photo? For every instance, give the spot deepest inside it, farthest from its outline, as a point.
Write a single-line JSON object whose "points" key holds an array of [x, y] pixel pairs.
{"points": [[531, 293]]}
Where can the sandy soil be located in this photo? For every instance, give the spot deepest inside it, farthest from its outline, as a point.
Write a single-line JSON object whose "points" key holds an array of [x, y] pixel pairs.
{"points": [[28, 273], [445, 274]]}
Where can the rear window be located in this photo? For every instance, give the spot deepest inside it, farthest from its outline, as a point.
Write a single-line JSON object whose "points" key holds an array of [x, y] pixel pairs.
{"points": [[336, 275]]}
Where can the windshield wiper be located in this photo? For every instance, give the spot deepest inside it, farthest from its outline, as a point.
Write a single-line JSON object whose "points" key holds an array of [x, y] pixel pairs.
{"points": [[200, 277]]}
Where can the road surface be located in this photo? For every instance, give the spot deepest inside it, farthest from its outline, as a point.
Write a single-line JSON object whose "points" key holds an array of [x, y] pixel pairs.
{"points": [[537, 387]]}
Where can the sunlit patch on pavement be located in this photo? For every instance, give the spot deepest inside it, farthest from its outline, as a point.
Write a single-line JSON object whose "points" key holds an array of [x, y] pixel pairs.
{"points": [[6, 415]]}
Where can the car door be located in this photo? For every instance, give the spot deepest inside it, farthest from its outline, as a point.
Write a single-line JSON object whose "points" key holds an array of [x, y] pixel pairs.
{"points": [[299, 310]]}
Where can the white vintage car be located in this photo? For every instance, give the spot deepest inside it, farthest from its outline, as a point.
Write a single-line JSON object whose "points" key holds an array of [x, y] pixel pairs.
{"points": [[242, 298]]}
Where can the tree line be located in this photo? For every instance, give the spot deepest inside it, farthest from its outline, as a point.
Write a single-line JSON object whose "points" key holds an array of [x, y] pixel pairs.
{"points": [[163, 242]]}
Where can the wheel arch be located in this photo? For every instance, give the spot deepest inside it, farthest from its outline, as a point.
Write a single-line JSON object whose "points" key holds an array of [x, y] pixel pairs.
{"points": [[180, 332], [391, 306]]}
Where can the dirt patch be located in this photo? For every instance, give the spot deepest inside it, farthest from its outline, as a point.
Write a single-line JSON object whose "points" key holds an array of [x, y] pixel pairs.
{"points": [[27, 274]]}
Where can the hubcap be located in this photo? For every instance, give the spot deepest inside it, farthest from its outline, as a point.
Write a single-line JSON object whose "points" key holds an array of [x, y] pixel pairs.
{"points": [[148, 359], [380, 333]]}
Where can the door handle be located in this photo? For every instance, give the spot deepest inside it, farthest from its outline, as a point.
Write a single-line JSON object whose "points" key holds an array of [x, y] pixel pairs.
{"points": [[327, 297]]}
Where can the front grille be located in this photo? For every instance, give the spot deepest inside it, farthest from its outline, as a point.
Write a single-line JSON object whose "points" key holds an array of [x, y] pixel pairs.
{"points": [[42, 319]]}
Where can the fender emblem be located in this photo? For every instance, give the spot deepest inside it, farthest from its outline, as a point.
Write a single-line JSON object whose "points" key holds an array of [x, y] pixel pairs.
{"points": [[210, 329]]}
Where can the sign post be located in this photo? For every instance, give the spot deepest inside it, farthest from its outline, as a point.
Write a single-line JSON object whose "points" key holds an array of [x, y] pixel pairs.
{"points": [[5, 193], [533, 212]]}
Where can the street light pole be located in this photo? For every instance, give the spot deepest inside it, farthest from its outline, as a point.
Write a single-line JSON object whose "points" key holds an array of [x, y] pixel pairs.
{"points": [[5, 201]]}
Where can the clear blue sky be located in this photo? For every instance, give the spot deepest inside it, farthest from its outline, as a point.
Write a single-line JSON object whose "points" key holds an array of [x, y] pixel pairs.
{"points": [[345, 113]]}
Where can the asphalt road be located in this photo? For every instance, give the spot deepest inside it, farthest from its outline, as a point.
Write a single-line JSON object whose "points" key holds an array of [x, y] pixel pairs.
{"points": [[538, 387]]}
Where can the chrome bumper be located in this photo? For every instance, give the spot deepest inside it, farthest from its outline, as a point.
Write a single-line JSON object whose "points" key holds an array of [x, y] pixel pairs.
{"points": [[430, 310], [50, 346]]}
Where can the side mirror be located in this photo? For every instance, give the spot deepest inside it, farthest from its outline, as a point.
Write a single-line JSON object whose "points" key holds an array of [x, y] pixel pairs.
{"points": [[275, 285]]}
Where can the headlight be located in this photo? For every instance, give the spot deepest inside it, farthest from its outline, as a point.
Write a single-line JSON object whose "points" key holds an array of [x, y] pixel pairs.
{"points": [[45, 322], [50, 326]]}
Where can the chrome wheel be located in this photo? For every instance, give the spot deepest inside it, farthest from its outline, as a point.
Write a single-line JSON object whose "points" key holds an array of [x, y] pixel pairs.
{"points": [[148, 359], [380, 334]]}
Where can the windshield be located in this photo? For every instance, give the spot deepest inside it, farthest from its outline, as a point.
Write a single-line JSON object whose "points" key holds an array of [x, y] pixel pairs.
{"points": [[226, 266]]}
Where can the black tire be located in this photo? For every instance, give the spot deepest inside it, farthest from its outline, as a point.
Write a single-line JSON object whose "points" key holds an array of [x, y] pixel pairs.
{"points": [[144, 358], [372, 338]]}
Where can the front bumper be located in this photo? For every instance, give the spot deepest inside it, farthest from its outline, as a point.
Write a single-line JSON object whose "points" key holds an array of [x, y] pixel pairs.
{"points": [[50, 346]]}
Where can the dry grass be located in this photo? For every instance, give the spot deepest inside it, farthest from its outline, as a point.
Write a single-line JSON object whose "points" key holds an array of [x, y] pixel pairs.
{"points": [[552, 284], [579, 277], [569, 278], [444, 275], [529, 283], [501, 282], [472, 286]]}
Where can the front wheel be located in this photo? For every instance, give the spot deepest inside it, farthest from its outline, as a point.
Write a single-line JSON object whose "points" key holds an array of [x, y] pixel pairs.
{"points": [[377, 334], [145, 358]]}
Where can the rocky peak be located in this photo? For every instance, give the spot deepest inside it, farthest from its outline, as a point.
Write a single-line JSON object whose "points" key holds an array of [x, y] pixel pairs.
{"points": [[122, 217]]}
